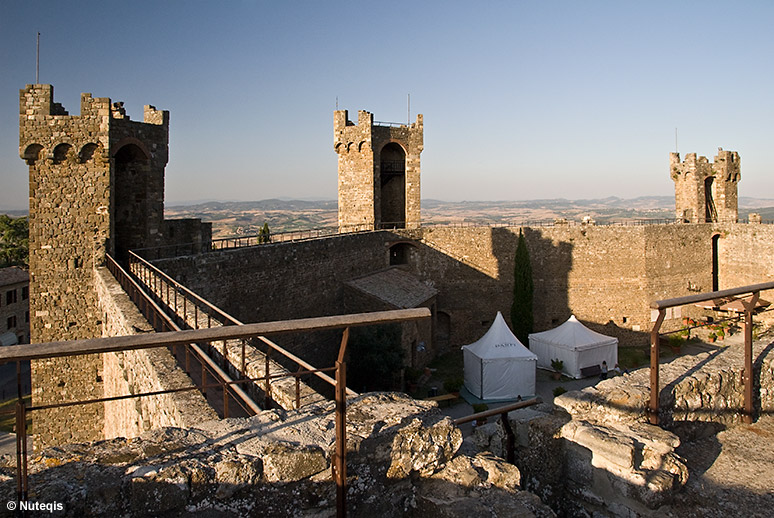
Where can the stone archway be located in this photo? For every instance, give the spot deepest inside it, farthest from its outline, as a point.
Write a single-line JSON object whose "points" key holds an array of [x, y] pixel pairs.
{"points": [[131, 207], [392, 187]]}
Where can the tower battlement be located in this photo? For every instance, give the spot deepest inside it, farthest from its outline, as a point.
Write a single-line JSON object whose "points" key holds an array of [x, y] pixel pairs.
{"points": [[378, 171], [706, 191]]}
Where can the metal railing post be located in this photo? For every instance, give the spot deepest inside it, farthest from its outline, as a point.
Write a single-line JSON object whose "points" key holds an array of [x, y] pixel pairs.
{"points": [[749, 411], [653, 404], [340, 462]]}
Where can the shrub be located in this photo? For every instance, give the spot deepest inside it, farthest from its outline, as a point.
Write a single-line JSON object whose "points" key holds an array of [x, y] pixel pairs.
{"points": [[453, 384], [558, 391], [557, 364], [480, 407]]}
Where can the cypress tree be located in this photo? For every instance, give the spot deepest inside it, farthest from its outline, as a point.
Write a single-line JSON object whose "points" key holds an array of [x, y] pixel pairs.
{"points": [[521, 310]]}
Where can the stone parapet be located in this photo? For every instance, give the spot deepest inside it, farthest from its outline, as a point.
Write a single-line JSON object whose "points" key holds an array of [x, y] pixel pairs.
{"points": [[403, 460]]}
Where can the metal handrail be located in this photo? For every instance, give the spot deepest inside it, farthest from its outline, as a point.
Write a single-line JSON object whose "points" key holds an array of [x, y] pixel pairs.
{"points": [[249, 240], [510, 445], [19, 353]]}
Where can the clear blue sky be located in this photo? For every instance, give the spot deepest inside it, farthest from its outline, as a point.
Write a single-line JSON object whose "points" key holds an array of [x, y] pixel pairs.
{"points": [[521, 100]]}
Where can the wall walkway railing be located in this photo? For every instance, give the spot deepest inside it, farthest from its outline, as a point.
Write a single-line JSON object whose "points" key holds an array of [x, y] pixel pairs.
{"points": [[201, 338], [189, 310], [250, 240]]}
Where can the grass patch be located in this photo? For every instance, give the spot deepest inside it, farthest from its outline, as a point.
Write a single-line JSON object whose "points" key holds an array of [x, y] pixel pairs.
{"points": [[8, 421]]}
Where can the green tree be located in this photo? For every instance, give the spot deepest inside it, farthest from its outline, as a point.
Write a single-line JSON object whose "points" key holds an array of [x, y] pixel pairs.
{"points": [[14, 241], [265, 235], [375, 358], [521, 310]]}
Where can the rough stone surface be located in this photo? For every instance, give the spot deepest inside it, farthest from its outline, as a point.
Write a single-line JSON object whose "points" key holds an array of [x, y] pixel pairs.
{"points": [[278, 464]]}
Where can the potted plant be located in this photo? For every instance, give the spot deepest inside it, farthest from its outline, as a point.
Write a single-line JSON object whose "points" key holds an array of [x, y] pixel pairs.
{"points": [[712, 337], [721, 334], [558, 366], [411, 376], [675, 343]]}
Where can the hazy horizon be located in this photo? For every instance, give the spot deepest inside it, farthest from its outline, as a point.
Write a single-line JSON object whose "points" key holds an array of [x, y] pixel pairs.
{"points": [[521, 100]]}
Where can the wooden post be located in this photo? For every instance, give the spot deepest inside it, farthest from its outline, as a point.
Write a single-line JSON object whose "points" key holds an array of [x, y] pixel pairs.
{"points": [[749, 412], [653, 404]]}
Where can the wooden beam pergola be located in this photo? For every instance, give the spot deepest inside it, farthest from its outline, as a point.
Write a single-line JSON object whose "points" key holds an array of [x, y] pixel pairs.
{"points": [[749, 305]]}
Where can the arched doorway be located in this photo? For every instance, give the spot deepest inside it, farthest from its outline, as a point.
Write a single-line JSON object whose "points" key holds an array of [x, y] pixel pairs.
{"points": [[711, 214], [132, 175], [392, 185], [715, 277], [400, 253]]}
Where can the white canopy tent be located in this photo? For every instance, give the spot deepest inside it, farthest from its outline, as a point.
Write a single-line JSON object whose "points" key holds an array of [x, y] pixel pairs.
{"points": [[574, 344], [498, 366]]}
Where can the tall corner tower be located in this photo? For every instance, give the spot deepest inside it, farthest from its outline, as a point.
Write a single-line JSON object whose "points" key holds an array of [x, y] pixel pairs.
{"points": [[706, 192], [378, 172], [96, 187]]}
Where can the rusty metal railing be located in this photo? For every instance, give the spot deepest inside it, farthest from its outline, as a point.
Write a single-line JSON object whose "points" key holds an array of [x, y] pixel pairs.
{"points": [[510, 437], [167, 292], [43, 351], [749, 306]]}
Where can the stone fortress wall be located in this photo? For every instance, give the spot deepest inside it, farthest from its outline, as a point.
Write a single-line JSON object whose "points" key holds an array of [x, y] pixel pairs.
{"points": [[605, 275]]}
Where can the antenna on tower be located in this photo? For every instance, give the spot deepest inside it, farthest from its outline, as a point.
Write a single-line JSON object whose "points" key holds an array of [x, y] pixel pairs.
{"points": [[408, 107], [337, 102], [37, 62], [676, 141]]}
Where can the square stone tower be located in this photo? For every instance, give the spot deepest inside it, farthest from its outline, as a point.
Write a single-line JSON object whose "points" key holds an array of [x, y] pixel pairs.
{"points": [[96, 186], [378, 172], [706, 192]]}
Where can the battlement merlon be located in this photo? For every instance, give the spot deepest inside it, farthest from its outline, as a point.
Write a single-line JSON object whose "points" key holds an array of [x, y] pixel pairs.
{"points": [[39, 100]]}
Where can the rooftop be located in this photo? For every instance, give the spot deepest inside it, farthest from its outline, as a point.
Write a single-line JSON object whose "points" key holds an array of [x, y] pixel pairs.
{"points": [[13, 275]]}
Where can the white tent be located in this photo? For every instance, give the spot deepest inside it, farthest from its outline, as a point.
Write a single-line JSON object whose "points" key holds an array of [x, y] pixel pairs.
{"points": [[498, 366], [576, 345]]}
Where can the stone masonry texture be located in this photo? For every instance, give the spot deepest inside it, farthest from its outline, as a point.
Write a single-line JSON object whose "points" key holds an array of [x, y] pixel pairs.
{"points": [[96, 187]]}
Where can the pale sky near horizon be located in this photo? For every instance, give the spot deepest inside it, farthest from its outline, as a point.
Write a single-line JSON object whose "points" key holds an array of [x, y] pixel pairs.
{"points": [[521, 100]]}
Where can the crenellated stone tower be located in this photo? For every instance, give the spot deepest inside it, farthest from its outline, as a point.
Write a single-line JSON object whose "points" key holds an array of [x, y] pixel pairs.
{"points": [[96, 187], [706, 192], [378, 172]]}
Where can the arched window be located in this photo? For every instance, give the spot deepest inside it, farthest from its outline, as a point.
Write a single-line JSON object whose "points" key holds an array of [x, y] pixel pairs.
{"points": [[87, 152], [60, 152], [32, 153]]}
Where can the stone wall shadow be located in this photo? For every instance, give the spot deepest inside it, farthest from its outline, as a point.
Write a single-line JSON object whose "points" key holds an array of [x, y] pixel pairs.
{"points": [[551, 264]]}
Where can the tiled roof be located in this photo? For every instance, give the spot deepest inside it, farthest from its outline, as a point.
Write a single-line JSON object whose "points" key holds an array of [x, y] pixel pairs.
{"points": [[395, 286], [13, 275]]}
